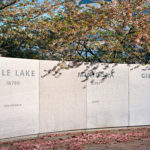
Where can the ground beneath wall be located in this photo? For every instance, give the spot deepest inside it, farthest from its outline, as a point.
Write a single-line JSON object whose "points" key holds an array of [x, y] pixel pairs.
{"points": [[140, 144], [123, 139]]}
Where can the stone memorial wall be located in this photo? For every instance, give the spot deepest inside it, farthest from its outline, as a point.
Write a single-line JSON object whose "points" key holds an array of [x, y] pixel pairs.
{"points": [[19, 97], [139, 95], [107, 96], [45, 96], [62, 98]]}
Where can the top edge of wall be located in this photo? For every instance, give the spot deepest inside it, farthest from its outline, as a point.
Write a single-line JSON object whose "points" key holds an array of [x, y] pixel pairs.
{"points": [[12, 58], [69, 61]]}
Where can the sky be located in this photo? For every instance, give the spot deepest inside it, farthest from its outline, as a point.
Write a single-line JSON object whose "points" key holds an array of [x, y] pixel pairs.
{"points": [[81, 1]]}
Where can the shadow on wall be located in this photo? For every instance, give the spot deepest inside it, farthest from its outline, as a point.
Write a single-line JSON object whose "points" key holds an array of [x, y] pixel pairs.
{"points": [[102, 71], [146, 68], [92, 70]]}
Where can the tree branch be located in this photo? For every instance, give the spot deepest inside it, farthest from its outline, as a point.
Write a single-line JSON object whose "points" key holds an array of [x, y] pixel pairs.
{"points": [[3, 6]]}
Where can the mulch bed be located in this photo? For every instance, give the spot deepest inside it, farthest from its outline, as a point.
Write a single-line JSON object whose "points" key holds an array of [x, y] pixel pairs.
{"points": [[78, 140]]}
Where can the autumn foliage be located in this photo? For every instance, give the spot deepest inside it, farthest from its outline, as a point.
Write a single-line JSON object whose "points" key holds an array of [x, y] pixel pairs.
{"points": [[116, 31]]}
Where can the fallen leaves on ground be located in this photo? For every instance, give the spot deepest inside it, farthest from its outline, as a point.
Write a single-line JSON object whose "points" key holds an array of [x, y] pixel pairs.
{"points": [[76, 141]]}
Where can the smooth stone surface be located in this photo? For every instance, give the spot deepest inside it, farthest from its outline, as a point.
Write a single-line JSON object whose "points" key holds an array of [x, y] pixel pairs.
{"points": [[62, 98], [139, 95], [107, 96], [19, 97]]}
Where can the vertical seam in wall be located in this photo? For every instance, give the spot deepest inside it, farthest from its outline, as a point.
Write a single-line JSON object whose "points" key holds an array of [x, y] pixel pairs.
{"points": [[39, 98], [128, 96], [86, 103]]}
